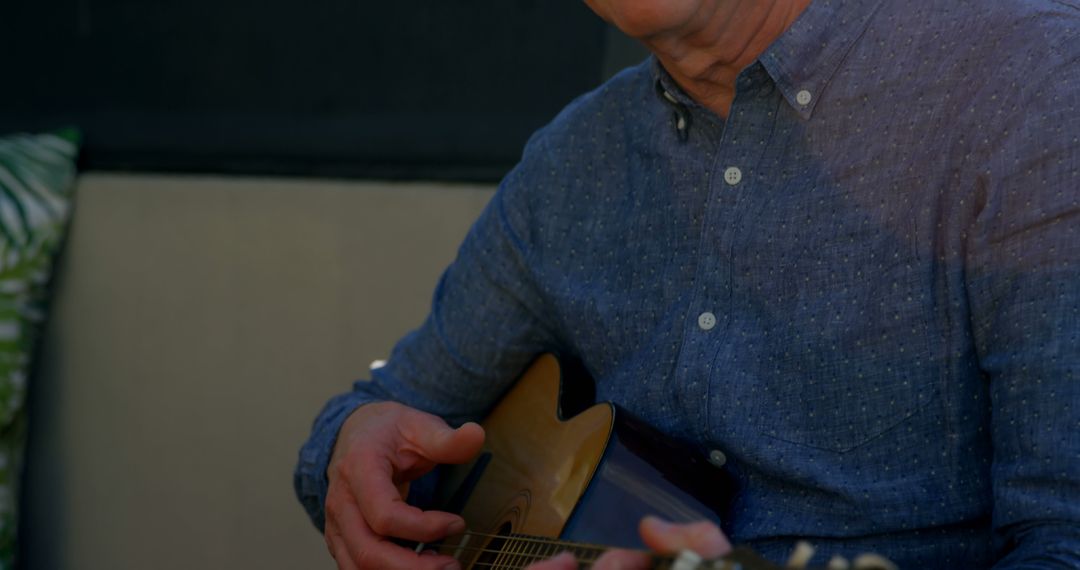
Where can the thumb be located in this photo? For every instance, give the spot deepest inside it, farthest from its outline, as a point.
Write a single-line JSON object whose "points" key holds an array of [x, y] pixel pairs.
{"points": [[702, 537], [564, 561], [432, 439]]}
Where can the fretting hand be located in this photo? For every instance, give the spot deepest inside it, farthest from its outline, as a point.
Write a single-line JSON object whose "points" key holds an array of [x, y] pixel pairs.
{"points": [[661, 537]]}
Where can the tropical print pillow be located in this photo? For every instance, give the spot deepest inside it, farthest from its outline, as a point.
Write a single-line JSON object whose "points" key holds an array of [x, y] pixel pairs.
{"points": [[37, 173]]}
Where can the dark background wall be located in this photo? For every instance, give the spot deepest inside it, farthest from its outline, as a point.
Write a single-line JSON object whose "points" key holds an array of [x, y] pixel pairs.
{"points": [[440, 89]]}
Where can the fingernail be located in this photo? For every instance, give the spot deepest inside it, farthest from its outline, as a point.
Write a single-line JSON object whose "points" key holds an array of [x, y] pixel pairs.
{"points": [[564, 556], [657, 523], [456, 527]]}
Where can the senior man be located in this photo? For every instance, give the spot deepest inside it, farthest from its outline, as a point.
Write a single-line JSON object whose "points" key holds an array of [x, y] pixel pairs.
{"points": [[837, 241]]}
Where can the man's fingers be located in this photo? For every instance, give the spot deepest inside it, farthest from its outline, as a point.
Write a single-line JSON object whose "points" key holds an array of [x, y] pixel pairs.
{"points": [[564, 561], [341, 554], [381, 447], [336, 545], [430, 438], [387, 514], [702, 537], [622, 560], [611, 560], [365, 549]]}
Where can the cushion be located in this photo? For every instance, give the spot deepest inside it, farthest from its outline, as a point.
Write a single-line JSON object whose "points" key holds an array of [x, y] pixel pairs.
{"points": [[37, 173]]}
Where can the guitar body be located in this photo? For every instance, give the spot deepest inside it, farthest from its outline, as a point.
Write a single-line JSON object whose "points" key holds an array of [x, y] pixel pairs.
{"points": [[588, 478]]}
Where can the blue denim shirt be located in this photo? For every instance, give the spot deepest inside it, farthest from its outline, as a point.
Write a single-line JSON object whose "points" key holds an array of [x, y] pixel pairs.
{"points": [[863, 287]]}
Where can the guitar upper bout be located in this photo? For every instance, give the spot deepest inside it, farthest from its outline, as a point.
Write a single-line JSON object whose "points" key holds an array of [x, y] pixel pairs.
{"points": [[540, 464]]}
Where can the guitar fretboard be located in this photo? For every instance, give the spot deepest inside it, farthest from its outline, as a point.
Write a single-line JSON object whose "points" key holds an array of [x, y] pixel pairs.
{"points": [[515, 551]]}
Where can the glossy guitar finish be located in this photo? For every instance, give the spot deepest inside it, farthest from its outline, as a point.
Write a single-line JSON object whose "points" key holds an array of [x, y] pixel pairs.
{"points": [[583, 479], [540, 465]]}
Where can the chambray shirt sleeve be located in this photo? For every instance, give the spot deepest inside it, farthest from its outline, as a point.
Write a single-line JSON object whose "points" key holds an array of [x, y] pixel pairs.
{"points": [[1023, 280], [486, 324]]}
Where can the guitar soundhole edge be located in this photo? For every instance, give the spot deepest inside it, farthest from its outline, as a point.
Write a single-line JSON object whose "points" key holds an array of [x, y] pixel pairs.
{"points": [[493, 551]]}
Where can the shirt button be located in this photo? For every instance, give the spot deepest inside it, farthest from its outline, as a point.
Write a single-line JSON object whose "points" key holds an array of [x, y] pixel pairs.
{"points": [[803, 97], [706, 321], [717, 458], [732, 175]]}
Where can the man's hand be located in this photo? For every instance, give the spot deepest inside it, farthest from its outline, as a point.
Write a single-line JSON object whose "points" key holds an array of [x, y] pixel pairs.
{"points": [[661, 537], [380, 449]]}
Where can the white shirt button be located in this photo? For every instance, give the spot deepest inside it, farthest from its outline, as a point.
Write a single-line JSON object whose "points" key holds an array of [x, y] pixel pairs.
{"points": [[706, 321], [803, 97], [717, 458], [732, 175]]}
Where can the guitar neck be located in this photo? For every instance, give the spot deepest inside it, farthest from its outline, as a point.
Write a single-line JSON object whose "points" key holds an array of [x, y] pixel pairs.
{"points": [[514, 551]]}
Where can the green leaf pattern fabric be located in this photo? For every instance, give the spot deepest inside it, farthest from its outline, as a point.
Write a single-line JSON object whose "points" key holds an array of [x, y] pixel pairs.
{"points": [[37, 174]]}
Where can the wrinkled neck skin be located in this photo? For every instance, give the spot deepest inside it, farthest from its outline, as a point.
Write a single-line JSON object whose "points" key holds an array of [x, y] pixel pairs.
{"points": [[703, 44]]}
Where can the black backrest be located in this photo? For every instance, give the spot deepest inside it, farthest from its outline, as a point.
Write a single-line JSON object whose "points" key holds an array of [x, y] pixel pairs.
{"points": [[442, 89]]}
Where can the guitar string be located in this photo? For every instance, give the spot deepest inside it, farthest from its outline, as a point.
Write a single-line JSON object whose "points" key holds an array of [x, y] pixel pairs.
{"points": [[592, 551], [522, 563], [657, 564], [518, 559], [521, 541], [526, 560], [583, 553], [535, 539], [587, 557], [535, 556], [591, 554]]}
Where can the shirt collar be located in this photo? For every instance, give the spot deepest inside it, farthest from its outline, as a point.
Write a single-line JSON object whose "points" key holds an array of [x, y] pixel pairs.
{"points": [[804, 59]]}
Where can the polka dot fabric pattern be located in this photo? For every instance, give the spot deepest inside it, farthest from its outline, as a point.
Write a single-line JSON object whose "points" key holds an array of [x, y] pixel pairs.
{"points": [[861, 287], [37, 173]]}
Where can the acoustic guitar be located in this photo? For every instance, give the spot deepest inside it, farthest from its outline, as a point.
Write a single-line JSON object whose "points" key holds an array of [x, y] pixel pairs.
{"points": [[560, 474]]}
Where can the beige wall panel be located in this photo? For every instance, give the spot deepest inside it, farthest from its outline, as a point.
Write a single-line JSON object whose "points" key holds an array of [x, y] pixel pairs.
{"points": [[198, 327]]}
